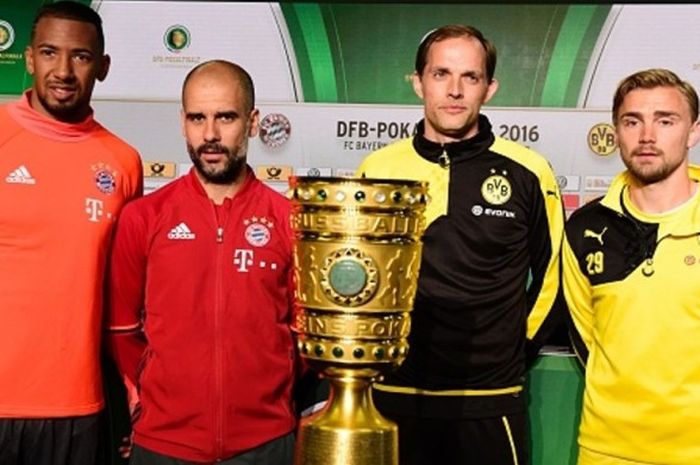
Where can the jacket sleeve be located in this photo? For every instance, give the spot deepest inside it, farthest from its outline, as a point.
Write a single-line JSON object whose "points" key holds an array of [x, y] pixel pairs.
{"points": [[125, 295], [544, 295], [577, 290]]}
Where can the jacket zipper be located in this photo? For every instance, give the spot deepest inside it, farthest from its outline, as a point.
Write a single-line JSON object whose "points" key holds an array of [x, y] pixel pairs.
{"points": [[648, 268], [648, 263], [218, 356], [444, 159]]}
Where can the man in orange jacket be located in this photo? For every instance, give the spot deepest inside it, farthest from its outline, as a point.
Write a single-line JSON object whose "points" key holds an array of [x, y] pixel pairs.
{"points": [[63, 181]]}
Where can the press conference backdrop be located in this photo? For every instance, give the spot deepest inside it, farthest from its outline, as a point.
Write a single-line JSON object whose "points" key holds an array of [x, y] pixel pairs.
{"points": [[332, 83]]}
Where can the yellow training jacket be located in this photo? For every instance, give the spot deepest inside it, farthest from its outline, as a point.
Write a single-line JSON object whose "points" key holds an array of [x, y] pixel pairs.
{"points": [[632, 282]]}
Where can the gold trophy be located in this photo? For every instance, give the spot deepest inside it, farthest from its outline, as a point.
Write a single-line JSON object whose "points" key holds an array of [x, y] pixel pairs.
{"points": [[356, 258]]}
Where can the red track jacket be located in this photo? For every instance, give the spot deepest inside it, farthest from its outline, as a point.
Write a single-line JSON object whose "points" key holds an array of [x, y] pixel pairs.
{"points": [[211, 287]]}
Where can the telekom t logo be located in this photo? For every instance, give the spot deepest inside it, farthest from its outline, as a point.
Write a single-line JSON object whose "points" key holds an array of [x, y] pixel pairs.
{"points": [[243, 258], [94, 208]]}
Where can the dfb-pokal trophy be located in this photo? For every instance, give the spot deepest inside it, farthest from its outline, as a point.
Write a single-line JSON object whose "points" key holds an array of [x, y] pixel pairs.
{"points": [[356, 258]]}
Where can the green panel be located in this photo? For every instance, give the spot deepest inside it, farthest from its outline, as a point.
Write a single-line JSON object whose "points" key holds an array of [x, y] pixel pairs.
{"points": [[311, 36], [555, 392], [372, 47], [19, 15], [584, 56], [301, 53], [565, 54]]}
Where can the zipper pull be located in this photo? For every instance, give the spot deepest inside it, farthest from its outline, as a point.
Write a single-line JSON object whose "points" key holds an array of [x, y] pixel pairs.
{"points": [[444, 159], [219, 234]]}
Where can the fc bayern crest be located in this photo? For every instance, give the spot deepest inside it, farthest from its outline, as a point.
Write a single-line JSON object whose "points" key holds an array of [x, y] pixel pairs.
{"points": [[257, 231], [105, 181], [275, 130]]}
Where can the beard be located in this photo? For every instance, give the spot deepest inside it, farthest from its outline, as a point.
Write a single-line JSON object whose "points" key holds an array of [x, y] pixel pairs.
{"points": [[72, 111], [234, 163], [650, 174]]}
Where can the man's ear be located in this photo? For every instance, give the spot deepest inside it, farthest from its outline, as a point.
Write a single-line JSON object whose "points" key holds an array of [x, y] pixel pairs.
{"points": [[253, 122], [491, 90], [29, 60], [417, 84], [183, 117], [104, 68], [694, 135]]}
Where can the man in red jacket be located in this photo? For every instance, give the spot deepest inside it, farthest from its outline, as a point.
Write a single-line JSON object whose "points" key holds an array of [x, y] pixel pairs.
{"points": [[201, 295]]}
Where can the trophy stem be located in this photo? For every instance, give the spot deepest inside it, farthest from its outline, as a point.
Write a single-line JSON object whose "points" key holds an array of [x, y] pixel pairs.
{"points": [[349, 430]]}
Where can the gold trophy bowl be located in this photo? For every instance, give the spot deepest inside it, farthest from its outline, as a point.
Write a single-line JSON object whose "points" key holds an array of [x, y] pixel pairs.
{"points": [[356, 257]]}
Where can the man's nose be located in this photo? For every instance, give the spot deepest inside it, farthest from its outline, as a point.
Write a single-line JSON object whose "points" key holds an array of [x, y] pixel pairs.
{"points": [[64, 67], [455, 89], [647, 134], [211, 131]]}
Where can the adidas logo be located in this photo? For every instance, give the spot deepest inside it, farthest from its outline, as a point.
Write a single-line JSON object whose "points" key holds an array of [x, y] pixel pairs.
{"points": [[181, 231], [20, 176]]}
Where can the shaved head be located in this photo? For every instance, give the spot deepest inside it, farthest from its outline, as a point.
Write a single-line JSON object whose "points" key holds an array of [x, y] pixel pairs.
{"points": [[224, 70]]}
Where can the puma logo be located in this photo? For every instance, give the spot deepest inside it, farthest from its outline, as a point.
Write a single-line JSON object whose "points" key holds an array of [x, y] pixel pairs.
{"points": [[595, 235]]}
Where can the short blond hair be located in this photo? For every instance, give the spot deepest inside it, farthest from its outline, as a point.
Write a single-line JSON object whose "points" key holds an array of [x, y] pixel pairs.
{"points": [[649, 79]]}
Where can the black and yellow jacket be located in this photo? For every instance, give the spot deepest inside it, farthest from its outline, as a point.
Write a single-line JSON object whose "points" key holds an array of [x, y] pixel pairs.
{"points": [[495, 224], [632, 283]]}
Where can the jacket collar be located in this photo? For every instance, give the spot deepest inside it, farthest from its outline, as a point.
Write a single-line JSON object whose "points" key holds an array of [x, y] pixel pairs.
{"points": [[456, 151], [38, 123], [613, 198], [248, 183]]}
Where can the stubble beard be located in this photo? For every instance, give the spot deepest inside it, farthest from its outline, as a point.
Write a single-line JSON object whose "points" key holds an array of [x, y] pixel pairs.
{"points": [[647, 174], [69, 111], [234, 163]]}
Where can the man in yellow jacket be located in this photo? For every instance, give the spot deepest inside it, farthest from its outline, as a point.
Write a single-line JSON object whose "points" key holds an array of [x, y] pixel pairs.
{"points": [[632, 282]]}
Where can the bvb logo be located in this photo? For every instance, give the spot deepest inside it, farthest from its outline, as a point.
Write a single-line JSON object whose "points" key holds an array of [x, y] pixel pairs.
{"points": [[7, 35], [601, 139], [496, 190], [177, 38]]}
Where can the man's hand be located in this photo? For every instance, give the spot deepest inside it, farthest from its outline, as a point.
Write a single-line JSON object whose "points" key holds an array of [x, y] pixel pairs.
{"points": [[132, 395], [125, 448]]}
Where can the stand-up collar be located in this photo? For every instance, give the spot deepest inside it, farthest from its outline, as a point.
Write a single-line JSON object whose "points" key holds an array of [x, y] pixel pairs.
{"points": [[196, 184], [613, 199], [38, 123], [457, 151]]}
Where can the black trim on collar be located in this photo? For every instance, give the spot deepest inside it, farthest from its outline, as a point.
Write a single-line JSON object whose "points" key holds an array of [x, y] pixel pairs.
{"points": [[457, 151]]}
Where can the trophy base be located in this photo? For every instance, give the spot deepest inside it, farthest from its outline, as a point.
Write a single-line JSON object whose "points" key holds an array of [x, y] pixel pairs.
{"points": [[325, 446], [348, 431]]}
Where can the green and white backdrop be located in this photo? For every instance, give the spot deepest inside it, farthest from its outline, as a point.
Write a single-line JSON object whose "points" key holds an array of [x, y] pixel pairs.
{"points": [[332, 83]]}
